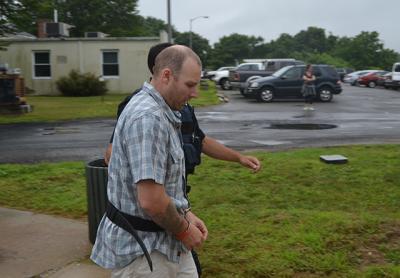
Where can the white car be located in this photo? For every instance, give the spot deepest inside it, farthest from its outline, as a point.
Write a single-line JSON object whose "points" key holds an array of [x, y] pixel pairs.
{"points": [[396, 75], [351, 78], [210, 74], [221, 77]]}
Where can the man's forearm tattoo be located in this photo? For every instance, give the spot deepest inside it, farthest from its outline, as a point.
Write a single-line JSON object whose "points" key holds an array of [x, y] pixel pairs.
{"points": [[170, 219]]}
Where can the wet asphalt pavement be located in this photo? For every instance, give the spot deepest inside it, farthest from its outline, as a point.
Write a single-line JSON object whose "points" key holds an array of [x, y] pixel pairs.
{"points": [[357, 116]]}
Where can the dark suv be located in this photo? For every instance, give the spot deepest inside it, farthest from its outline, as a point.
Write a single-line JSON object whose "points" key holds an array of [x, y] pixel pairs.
{"points": [[286, 83]]}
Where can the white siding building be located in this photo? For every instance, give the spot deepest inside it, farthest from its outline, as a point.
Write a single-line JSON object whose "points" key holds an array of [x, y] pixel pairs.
{"points": [[121, 61]]}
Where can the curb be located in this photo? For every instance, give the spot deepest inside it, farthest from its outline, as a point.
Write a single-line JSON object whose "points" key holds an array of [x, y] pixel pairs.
{"points": [[222, 97]]}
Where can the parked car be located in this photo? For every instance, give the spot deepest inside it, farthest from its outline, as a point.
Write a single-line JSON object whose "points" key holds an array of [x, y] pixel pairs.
{"points": [[343, 71], [287, 82], [382, 79], [351, 78], [370, 79], [210, 74], [245, 73], [221, 78]]}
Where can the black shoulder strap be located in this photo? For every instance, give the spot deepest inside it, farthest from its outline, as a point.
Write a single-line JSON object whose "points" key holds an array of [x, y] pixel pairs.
{"points": [[123, 103], [132, 223], [136, 222]]}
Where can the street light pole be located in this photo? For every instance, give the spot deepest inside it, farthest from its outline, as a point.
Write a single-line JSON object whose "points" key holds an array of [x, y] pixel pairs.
{"points": [[190, 27], [169, 21]]}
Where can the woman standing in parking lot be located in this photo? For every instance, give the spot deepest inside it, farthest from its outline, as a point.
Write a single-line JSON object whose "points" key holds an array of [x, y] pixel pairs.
{"points": [[308, 89]]}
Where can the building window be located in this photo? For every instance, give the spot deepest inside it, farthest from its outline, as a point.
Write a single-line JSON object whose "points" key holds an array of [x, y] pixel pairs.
{"points": [[110, 63], [41, 64]]}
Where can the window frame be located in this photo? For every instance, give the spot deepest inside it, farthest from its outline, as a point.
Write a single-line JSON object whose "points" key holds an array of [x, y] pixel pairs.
{"points": [[103, 64], [294, 69], [34, 64], [317, 72]]}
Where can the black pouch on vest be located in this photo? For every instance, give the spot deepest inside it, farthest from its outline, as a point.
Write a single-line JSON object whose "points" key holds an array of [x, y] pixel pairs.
{"points": [[192, 157]]}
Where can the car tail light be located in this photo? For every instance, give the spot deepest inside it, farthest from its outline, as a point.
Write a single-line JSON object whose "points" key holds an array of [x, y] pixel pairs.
{"points": [[236, 76]]}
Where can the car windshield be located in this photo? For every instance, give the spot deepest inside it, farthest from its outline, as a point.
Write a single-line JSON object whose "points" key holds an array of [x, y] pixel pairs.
{"points": [[281, 71]]}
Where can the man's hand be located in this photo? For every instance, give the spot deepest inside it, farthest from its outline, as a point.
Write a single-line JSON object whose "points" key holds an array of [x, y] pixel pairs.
{"points": [[159, 206], [214, 149], [195, 237], [107, 154], [250, 162], [193, 219]]}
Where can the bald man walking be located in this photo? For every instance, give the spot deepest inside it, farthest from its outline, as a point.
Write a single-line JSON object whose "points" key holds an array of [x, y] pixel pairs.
{"points": [[147, 179]]}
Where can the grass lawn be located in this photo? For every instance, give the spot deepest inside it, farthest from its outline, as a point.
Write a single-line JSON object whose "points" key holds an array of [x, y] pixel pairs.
{"points": [[298, 217], [57, 108]]}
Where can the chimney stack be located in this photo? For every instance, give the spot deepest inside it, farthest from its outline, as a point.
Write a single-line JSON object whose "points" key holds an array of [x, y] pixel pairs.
{"points": [[41, 23]]}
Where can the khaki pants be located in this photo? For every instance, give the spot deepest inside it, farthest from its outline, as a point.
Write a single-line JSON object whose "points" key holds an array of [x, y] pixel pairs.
{"points": [[162, 268]]}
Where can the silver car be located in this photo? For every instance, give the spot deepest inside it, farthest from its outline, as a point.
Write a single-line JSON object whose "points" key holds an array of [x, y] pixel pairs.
{"points": [[351, 78]]}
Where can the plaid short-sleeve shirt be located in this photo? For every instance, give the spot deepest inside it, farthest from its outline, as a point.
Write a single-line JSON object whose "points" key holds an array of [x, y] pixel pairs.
{"points": [[146, 145]]}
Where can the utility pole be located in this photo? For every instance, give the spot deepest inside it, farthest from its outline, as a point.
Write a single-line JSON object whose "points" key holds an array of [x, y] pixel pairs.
{"points": [[169, 21]]}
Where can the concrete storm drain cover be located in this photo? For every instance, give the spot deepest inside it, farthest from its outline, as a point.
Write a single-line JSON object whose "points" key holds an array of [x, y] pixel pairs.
{"points": [[302, 126]]}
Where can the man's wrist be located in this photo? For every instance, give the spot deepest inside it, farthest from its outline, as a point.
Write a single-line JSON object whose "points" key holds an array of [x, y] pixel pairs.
{"points": [[185, 233], [185, 211]]}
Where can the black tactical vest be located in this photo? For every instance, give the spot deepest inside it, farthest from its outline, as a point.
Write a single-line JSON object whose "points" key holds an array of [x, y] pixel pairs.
{"points": [[191, 140]]}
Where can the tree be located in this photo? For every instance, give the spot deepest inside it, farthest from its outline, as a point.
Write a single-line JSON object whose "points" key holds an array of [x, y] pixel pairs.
{"points": [[29, 12], [200, 45], [116, 17], [331, 42], [151, 26], [321, 58], [8, 8], [312, 40], [365, 51], [283, 47], [234, 48]]}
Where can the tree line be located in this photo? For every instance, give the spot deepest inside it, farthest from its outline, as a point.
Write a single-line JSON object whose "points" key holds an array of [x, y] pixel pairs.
{"points": [[120, 18]]}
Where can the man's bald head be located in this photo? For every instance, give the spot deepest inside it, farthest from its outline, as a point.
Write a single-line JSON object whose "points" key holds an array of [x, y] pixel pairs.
{"points": [[173, 58]]}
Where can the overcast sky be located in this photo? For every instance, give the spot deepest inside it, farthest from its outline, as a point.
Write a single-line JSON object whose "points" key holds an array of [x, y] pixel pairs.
{"points": [[270, 18]]}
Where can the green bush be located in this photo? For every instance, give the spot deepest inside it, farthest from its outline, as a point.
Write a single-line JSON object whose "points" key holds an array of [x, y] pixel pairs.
{"points": [[81, 85]]}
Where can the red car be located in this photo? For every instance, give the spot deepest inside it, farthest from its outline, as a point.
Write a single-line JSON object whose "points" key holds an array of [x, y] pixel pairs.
{"points": [[370, 79]]}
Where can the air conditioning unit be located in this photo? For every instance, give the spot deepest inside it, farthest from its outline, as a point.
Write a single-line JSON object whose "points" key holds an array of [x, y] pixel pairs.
{"points": [[95, 35], [57, 29], [14, 71]]}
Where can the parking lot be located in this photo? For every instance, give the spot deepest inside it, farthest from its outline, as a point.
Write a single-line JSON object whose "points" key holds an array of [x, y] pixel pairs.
{"points": [[357, 115]]}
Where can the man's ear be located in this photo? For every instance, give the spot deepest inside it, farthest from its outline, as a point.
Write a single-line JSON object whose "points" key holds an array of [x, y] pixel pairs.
{"points": [[166, 75]]}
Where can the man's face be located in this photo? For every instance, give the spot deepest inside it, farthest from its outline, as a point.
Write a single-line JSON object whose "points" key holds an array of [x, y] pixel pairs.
{"points": [[184, 86]]}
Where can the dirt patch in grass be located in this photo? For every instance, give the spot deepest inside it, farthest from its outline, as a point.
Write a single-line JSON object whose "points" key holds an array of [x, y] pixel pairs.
{"points": [[304, 275], [393, 235], [370, 255], [374, 251]]}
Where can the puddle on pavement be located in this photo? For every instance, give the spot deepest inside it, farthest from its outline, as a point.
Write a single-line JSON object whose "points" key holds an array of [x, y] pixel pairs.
{"points": [[301, 126], [58, 130]]}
